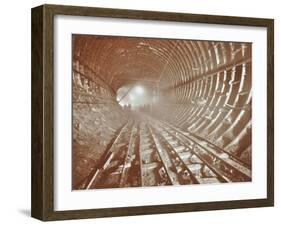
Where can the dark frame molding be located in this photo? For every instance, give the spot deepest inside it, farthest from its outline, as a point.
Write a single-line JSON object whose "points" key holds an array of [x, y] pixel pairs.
{"points": [[42, 198]]}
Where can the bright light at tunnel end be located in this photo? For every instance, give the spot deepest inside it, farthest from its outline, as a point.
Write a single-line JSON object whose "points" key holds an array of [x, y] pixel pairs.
{"points": [[139, 90], [134, 96]]}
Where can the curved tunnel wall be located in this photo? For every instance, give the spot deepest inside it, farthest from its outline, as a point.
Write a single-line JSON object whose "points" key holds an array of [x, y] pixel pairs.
{"points": [[217, 103], [204, 87]]}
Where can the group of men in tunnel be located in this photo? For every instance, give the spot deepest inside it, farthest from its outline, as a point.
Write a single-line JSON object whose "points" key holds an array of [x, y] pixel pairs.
{"points": [[146, 108]]}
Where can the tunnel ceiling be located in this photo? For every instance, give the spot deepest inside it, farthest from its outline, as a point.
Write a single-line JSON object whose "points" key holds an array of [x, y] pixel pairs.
{"points": [[120, 61]]}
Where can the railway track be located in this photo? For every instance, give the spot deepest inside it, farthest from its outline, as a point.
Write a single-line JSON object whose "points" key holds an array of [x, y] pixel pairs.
{"points": [[154, 167], [148, 152], [186, 166], [224, 165], [119, 166]]}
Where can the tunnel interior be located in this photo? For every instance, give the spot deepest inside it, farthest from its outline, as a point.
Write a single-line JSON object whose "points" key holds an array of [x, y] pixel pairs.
{"points": [[199, 89]]}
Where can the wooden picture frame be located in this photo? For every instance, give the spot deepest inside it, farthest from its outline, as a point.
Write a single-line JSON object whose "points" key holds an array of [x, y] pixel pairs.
{"points": [[43, 112]]}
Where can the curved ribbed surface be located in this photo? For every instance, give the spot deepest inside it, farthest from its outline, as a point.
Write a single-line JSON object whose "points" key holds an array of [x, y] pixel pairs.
{"points": [[204, 87]]}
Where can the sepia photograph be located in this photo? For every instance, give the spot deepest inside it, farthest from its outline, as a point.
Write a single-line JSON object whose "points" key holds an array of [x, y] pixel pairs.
{"points": [[158, 112]]}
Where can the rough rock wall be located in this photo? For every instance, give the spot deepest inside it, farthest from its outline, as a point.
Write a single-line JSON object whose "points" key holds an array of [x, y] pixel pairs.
{"points": [[95, 111]]}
